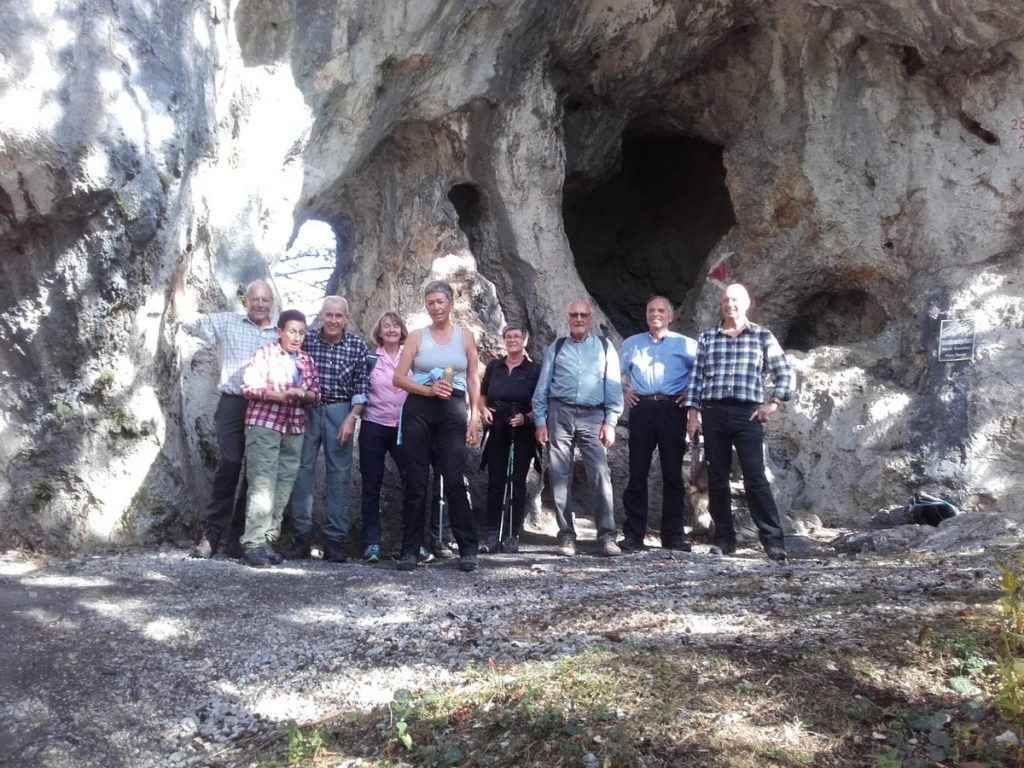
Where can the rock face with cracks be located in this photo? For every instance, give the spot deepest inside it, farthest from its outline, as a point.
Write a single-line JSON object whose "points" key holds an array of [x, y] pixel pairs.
{"points": [[856, 164]]}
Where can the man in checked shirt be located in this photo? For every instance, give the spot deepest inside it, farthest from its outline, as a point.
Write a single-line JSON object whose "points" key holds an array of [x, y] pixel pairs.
{"points": [[340, 359], [726, 402], [237, 337]]}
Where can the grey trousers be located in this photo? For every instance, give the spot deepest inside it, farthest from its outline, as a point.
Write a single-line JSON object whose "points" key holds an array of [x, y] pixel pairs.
{"points": [[573, 427]]}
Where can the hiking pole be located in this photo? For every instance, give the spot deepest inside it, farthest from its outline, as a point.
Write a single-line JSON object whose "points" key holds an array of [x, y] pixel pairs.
{"points": [[441, 502], [506, 501]]}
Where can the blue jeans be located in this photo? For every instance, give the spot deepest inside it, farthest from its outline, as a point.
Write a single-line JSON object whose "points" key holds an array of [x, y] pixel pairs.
{"points": [[727, 423], [322, 423], [375, 442], [571, 427]]}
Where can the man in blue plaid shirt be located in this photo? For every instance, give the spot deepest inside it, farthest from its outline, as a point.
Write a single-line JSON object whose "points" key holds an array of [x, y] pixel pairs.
{"points": [[340, 359], [726, 401]]}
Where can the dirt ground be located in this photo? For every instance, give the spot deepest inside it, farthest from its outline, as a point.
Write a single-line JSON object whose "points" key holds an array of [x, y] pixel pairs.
{"points": [[149, 658]]}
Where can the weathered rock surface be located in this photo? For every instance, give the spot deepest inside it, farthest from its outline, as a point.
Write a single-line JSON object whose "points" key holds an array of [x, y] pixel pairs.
{"points": [[857, 164]]}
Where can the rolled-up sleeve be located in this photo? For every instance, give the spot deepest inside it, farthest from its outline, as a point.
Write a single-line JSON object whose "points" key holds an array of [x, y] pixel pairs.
{"points": [[783, 378], [543, 390]]}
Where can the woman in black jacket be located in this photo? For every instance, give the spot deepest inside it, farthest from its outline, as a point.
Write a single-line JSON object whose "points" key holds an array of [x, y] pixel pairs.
{"points": [[505, 394]]}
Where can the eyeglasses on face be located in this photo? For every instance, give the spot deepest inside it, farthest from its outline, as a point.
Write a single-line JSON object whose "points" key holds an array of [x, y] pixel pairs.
{"points": [[579, 314]]}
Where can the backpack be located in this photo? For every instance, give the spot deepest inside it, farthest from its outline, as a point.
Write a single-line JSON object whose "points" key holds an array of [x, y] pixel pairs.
{"points": [[560, 342]]}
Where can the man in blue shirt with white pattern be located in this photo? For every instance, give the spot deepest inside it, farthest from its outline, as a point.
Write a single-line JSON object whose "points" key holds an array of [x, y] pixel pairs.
{"points": [[657, 365], [576, 404]]}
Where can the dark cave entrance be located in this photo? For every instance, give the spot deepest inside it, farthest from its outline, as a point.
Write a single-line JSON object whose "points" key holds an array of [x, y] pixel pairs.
{"points": [[835, 318], [648, 226], [466, 199]]}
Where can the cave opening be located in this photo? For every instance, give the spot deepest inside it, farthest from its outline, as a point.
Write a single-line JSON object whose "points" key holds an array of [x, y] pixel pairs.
{"points": [[303, 272], [835, 317], [466, 199], [648, 226]]}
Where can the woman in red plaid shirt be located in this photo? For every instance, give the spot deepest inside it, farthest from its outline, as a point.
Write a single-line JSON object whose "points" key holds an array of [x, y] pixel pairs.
{"points": [[280, 382]]}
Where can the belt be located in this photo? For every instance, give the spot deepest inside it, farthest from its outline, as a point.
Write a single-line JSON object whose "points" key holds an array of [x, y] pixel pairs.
{"points": [[333, 400], [657, 398], [563, 401]]}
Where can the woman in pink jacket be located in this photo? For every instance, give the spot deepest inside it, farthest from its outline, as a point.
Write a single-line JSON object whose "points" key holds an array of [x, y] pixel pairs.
{"points": [[378, 433]]}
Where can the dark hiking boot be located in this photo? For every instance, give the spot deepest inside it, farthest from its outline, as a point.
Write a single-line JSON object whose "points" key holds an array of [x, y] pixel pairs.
{"points": [[300, 549], [271, 554], [676, 543], [632, 544], [258, 557], [408, 562], [333, 552], [233, 548], [489, 546], [468, 563]]}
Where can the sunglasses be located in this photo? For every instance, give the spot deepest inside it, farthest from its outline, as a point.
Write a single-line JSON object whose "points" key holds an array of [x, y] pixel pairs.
{"points": [[579, 314]]}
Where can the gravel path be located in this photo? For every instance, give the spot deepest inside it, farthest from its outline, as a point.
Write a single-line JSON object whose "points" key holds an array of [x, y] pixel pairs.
{"points": [[149, 658]]}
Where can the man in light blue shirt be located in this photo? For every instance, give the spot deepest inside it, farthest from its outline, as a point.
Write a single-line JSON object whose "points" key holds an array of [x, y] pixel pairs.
{"points": [[657, 364], [576, 404]]}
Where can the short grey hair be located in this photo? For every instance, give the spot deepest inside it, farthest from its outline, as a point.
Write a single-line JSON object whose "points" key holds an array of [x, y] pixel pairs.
{"points": [[439, 286], [341, 299], [254, 283], [659, 297]]}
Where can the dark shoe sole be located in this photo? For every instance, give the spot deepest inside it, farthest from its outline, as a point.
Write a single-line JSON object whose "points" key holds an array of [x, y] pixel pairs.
{"points": [[468, 564], [678, 546]]}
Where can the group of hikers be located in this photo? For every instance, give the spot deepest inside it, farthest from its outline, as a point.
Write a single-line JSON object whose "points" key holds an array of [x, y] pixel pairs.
{"points": [[288, 392]]}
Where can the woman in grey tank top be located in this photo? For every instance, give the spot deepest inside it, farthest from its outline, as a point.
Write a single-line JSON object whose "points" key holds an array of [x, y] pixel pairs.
{"points": [[439, 370]]}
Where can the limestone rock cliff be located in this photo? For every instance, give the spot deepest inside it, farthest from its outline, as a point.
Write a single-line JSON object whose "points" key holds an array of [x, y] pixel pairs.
{"points": [[857, 163]]}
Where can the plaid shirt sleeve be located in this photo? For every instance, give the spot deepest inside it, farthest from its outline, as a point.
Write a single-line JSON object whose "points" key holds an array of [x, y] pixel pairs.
{"points": [[310, 377], [264, 374], [361, 375], [695, 392], [734, 368]]}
